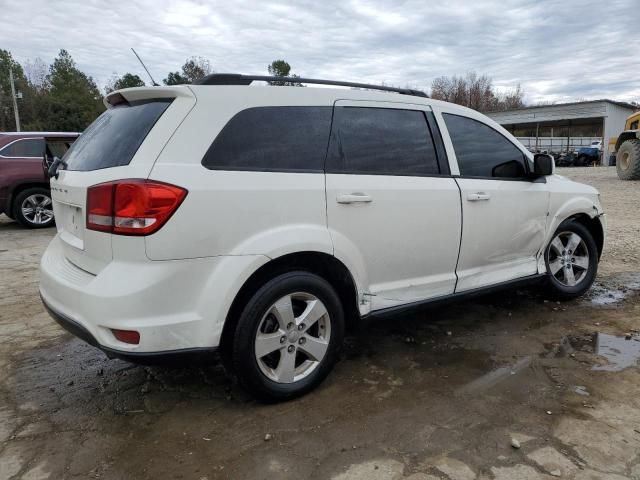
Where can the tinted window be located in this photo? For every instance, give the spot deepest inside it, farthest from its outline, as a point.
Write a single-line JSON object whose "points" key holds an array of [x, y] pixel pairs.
{"points": [[482, 151], [273, 139], [381, 141], [58, 146], [115, 136], [30, 147]]}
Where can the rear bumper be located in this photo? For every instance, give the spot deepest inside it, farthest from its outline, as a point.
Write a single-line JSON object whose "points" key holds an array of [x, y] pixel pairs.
{"points": [[175, 305], [199, 355]]}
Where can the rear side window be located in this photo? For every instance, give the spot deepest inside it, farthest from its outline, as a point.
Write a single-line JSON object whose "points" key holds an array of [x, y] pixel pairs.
{"points": [[290, 139], [381, 141], [28, 147], [115, 136], [483, 152]]}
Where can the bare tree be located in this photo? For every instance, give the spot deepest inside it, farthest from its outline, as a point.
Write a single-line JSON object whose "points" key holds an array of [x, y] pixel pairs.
{"points": [[36, 73], [475, 91]]}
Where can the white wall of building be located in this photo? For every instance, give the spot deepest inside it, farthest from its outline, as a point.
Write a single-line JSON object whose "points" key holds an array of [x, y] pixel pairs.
{"points": [[614, 116]]}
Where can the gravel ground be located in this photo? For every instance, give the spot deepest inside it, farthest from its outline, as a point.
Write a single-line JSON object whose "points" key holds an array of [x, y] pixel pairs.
{"points": [[504, 387]]}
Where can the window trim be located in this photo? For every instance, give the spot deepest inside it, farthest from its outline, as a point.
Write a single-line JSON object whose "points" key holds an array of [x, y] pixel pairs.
{"points": [[396, 106], [527, 178], [19, 140]]}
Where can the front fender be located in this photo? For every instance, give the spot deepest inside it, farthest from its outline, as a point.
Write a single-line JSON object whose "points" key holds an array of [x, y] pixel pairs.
{"points": [[562, 207]]}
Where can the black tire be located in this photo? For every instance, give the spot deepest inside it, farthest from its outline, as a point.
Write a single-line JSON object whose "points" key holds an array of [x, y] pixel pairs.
{"points": [[582, 161], [21, 198], [245, 364], [557, 286], [628, 160]]}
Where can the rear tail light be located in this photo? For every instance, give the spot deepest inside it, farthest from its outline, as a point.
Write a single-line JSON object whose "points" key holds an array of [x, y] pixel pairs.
{"points": [[132, 207]]}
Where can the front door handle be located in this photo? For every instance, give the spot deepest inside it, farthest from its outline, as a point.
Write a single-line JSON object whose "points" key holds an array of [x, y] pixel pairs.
{"points": [[478, 196], [356, 197]]}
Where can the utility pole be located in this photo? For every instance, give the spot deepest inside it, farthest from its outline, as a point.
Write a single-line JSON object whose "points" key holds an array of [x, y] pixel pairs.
{"points": [[15, 100]]}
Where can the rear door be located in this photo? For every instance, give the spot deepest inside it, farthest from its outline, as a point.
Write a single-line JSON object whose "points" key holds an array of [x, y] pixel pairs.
{"points": [[392, 207], [503, 207], [122, 143]]}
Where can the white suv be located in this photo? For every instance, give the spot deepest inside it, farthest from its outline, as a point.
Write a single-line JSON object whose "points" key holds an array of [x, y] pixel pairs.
{"points": [[265, 220]]}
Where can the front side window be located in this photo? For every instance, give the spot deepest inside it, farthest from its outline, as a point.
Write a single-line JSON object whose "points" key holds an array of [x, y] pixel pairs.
{"points": [[27, 147], [381, 141], [483, 152], [290, 139]]}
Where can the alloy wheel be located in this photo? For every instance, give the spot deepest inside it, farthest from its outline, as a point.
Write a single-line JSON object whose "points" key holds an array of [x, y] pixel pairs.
{"points": [[292, 337], [37, 209], [568, 258]]}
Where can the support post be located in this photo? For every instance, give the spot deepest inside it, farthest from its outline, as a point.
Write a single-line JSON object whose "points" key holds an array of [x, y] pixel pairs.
{"points": [[15, 100]]}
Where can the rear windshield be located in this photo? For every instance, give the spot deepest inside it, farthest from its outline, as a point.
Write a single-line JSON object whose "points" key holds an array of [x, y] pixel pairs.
{"points": [[115, 136]]}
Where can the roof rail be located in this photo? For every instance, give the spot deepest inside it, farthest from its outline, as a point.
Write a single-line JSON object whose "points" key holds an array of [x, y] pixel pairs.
{"points": [[238, 79]]}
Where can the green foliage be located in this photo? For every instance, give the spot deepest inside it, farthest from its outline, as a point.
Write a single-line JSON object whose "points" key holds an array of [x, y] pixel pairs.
{"points": [[75, 100], [63, 99], [280, 68], [127, 80], [194, 68], [7, 121], [174, 78]]}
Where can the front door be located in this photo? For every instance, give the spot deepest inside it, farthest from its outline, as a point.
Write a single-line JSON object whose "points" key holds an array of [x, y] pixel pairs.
{"points": [[504, 209]]}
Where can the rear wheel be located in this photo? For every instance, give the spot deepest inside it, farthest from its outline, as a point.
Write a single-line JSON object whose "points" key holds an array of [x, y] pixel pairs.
{"points": [[572, 260], [33, 208], [288, 336], [582, 161], [628, 160]]}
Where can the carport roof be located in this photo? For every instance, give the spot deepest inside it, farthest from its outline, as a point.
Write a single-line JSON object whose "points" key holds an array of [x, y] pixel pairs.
{"points": [[569, 104]]}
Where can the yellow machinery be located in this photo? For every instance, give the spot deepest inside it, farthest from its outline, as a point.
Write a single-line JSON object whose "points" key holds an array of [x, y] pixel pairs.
{"points": [[626, 148]]}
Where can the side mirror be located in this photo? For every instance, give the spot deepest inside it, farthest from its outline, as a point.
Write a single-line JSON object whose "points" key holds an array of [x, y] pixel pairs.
{"points": [[542, 164]]}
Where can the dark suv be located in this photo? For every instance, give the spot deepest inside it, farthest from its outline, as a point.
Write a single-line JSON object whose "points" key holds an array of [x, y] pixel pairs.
{"points": [[24, 188]]}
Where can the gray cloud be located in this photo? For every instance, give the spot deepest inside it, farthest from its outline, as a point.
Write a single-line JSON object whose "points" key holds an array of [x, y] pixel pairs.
{"points": [[557, 50]]}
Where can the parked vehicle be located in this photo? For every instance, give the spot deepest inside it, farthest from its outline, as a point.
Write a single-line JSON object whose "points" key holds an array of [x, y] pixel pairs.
{"points": [[265, 221], [24, 188], [587, 156], [565, 160], [625, 149]]}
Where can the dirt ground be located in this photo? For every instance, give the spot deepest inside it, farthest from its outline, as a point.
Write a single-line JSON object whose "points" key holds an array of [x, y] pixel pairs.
{"points": [[447, 394]]}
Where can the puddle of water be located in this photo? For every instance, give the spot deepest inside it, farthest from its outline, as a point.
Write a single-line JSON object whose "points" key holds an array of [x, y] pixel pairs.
{"points": [[602, 295], [494, 377], [620, 352]]}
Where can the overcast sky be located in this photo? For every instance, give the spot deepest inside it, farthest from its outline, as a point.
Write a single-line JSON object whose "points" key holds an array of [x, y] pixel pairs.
{"points": [[557, 50]]}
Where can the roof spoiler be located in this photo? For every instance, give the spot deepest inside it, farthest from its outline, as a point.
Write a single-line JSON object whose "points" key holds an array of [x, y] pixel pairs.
{"points": [[238, 79]]}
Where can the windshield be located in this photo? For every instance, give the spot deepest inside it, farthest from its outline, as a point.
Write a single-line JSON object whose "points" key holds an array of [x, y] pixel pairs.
{"points": [[115, 136]]}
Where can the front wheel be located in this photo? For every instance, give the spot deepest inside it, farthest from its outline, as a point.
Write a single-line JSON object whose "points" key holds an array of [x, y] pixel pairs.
{"points": [[628, 160], [288, 336], [572, 260]]}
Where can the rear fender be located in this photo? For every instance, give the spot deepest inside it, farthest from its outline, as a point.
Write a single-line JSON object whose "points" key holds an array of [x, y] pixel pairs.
{"points": [[627, 135]]}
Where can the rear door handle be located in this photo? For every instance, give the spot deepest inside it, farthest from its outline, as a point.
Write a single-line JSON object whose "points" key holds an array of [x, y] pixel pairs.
{"points": [[355, 197], [478, 196]]}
